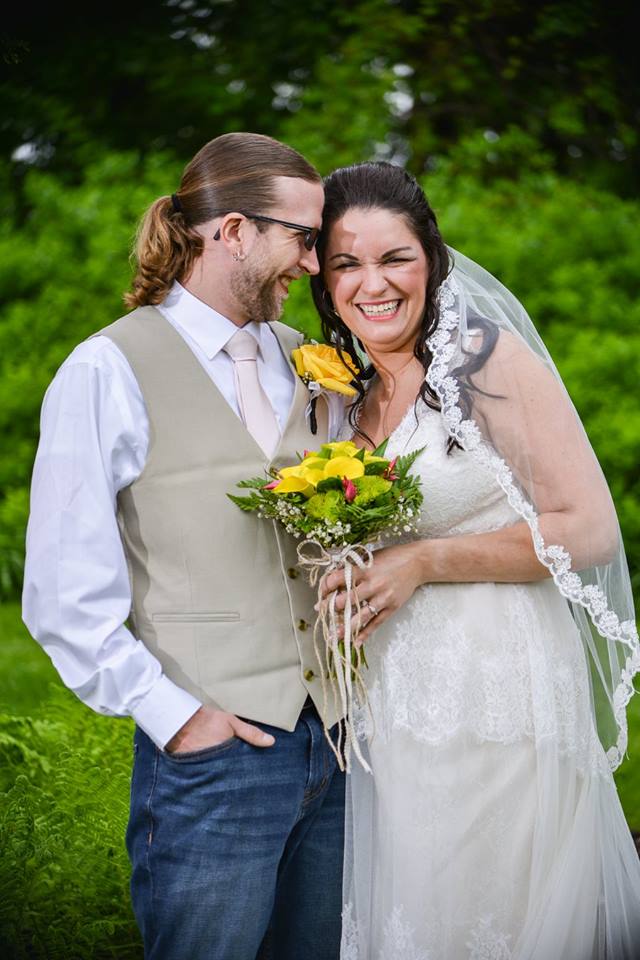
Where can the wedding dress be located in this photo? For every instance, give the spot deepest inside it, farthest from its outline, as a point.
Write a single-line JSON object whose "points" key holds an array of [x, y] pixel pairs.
{"points": [[491, 828]]}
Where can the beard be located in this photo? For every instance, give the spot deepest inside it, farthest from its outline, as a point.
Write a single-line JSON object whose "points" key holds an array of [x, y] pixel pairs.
{"points": [[255, 290]]}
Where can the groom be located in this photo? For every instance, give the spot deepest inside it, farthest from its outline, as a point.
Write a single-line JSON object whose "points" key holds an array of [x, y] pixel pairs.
{"points": [[159, 599]]}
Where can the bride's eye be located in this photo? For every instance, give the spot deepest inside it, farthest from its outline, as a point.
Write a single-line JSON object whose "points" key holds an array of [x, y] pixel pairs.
{"points": [[344, 266]]}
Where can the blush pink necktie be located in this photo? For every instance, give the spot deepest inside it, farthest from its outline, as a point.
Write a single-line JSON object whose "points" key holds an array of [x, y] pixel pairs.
{"points": [[255, 409]]}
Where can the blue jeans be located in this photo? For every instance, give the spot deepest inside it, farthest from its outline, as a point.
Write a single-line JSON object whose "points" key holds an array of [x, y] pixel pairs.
{"points": [[237, 850]]}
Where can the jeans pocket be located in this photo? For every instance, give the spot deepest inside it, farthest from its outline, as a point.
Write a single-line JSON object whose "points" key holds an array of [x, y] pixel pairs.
{"points": [[206, 753]]}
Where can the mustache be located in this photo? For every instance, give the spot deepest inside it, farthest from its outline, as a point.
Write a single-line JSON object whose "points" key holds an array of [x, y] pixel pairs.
{"points": [[293, 276]]}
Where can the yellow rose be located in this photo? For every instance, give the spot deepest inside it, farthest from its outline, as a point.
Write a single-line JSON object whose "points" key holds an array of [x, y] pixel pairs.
{"points": [[321, 363]]}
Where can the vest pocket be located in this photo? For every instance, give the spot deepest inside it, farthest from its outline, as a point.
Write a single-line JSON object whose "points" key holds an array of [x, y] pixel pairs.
{"points": [[216, 615]]}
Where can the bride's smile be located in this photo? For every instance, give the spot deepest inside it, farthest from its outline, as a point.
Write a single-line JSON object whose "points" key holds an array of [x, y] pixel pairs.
{"points": [[382, 310]]}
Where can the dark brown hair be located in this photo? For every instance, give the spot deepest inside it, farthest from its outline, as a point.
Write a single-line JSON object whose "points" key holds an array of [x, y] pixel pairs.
{"points": [[236, 171], [384, 186]]}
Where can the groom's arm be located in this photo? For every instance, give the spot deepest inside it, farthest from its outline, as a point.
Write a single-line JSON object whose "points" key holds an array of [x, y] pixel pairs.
{"points": [[77, 595]]}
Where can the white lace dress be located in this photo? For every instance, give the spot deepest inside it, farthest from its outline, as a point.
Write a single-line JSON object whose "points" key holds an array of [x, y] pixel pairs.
{"points": [[491, 828]]}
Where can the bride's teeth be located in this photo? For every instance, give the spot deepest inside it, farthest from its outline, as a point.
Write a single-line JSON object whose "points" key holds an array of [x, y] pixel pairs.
{"points": [[379, 309]]}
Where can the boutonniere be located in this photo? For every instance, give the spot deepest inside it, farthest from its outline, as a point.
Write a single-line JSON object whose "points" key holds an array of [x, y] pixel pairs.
{"points": [[322, 370]]}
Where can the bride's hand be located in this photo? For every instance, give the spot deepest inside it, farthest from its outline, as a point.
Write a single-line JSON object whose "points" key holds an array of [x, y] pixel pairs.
{"points": [[383, 588]]}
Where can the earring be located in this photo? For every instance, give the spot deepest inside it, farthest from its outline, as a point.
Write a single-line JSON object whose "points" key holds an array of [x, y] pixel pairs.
{"points": [[237, 256]]}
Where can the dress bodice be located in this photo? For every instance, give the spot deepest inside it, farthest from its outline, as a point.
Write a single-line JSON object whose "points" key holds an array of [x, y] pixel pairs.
{"points": [[460, 494]]}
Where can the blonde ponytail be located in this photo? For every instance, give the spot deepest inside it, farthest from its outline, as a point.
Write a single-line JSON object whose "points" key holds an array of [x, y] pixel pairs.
{"points": [[166, 248]]}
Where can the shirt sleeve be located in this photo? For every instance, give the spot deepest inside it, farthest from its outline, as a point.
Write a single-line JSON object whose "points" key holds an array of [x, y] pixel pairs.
{"points": [[77, 594]]}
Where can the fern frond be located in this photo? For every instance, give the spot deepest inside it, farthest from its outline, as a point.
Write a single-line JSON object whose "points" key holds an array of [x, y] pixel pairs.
{"points": [[246, 503]]}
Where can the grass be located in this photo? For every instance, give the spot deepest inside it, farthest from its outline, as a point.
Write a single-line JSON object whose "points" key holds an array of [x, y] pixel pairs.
{"points": [[25, 671], [64, 780]]}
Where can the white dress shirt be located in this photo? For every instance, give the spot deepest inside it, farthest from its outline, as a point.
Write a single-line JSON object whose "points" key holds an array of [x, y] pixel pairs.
{"points": [[93, 442]]}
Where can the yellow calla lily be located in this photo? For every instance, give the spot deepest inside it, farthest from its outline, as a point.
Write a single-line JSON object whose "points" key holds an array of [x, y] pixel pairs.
{"points": [[342, 448], [295, 485], [313, 476], [295, 471], [344, 467], [313, 463], [297, 478]]}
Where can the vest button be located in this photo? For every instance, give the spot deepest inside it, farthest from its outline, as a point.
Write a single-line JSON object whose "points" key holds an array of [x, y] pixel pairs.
{"points": [[309, 675], [292, 573], [302, 624]]}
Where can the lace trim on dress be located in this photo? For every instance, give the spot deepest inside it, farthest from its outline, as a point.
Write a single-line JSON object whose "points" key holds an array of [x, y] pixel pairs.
{"points": [[554, 557], [523, 687], [349, 943], [484, 943]]}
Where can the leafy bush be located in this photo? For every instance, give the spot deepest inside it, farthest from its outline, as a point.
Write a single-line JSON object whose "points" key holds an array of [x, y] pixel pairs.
{"points": [[63, 867]]}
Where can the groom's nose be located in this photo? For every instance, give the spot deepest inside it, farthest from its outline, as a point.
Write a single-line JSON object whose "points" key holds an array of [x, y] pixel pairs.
{"points": [[309, 261]]}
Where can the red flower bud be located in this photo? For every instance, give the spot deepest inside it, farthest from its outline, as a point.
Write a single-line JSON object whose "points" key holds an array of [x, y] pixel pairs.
{"points": [[389, 474], [272, 485], [350, 489]]}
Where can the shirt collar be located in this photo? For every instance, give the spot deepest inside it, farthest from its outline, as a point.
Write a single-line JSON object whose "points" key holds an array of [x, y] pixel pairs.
{"points": [[204, 325]]}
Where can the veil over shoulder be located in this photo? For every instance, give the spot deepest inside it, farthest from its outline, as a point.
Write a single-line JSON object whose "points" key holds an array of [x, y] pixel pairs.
{"points": [[504, 401]]}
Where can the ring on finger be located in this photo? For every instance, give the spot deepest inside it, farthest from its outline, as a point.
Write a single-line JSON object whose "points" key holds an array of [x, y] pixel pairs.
{"points": [[374, 610]]}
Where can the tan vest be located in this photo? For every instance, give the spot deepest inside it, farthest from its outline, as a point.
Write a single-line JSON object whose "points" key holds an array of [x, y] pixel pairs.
{"points": [[218, 597]]}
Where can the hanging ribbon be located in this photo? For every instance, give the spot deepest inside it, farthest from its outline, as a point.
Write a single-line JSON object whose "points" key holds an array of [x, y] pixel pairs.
{"points": [[310, 413], [339, 660]]}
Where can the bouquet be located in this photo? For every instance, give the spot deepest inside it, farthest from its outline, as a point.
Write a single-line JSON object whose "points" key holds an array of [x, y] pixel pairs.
{"points": [[342, 502]]}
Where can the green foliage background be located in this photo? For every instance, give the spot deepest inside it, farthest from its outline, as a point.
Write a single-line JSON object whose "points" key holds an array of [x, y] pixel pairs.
{"points": [[521, 122]]}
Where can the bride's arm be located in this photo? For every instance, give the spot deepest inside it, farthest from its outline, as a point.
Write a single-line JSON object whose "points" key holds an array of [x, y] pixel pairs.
{"points": [[503, 556], [527, 415]]}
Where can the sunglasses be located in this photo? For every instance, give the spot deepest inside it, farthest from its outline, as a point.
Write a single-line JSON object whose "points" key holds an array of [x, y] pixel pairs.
{"points": [[310, 234]]}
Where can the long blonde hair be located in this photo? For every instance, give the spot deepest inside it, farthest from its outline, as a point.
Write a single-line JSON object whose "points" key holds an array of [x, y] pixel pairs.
{"points": [[235, 171]]}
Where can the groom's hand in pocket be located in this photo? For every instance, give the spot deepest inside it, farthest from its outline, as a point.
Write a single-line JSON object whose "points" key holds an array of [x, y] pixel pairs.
{"points": [[209, 727]]}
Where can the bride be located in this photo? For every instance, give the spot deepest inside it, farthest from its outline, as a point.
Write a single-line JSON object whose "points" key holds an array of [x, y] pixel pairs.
{"points": [[500, 639]]}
